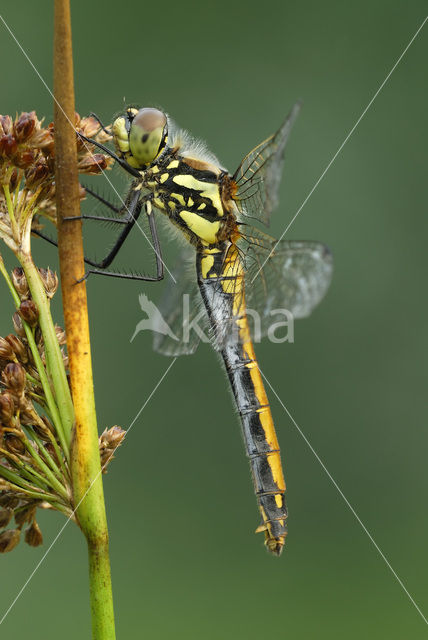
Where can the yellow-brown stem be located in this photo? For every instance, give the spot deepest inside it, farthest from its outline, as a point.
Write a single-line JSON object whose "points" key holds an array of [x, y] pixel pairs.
{"points": [[85, 460]]}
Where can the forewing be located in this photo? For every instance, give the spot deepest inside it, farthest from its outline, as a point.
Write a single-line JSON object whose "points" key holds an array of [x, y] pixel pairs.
{"points": [[284, 275], [259, 174]]}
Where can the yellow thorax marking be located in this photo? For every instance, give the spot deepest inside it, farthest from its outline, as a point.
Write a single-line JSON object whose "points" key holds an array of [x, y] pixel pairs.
{"points": [[207, 189], [202, 228], [164, 177], [178, 197], [173, 165]]}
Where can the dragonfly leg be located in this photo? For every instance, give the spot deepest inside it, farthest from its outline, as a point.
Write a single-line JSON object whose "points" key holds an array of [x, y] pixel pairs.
{"points": [[94, 115], [133, 209], [109, 152]]}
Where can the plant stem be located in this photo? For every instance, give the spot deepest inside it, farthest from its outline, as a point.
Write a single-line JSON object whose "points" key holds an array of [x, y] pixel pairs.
{"points": [[53, 409], [85, 458], [54, 360]]}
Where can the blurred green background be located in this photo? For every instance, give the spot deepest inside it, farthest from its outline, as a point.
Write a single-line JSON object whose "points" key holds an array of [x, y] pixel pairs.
{"points": [[185, 561]]}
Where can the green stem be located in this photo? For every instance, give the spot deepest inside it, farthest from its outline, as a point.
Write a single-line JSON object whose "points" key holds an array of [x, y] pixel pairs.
{"points": [[54, 361], [53, 409], [54, 482], [85, 456], [26, 470], [100, 589], [47, 456], [23, 485]]}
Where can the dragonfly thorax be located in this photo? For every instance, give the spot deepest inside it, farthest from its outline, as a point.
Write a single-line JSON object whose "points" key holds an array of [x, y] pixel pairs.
{"points": [[190, 192]]}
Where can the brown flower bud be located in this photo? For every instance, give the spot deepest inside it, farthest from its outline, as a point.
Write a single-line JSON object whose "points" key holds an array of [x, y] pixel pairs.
{"points": [[20, 283], [29, 312], [33, 535], [5, 125], [5, 517], [14, 444], [25, 514], [13, 180], [60, 335], [7, 408], [25, 125], [6, 350], [8, 500], [36, 174], [92, 164], [9, 539], [13, 376], [109, 440], [25, 159], [17, 325], [8, 146], [44, 431], [50, 281], [18, 347], [64, 358]]}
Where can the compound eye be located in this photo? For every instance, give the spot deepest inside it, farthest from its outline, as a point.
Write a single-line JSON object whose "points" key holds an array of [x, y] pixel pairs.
{"points": [[147, 135]]}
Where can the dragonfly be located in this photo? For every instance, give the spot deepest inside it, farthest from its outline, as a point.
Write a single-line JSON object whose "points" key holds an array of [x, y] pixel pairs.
{"points": [[236, 266]]}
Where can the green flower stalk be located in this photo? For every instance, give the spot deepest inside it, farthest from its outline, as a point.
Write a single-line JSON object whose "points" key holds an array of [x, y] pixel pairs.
{"points": [[38, 450]]}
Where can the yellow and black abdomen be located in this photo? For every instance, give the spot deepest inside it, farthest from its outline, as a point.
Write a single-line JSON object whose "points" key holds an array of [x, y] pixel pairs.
{"points": [[221, 282]]}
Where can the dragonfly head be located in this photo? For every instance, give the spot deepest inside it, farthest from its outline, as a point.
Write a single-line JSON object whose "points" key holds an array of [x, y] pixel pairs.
{"points": [[140, 136]]}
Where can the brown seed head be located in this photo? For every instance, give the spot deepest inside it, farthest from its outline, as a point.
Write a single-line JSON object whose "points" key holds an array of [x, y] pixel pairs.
{"points": [[33, 535], [6, 350], [5, 125], [17, 325], [50, 281], [60, 335], [5, 517], [44, 431], [109, 440], [8, 146], [19, 349], [20, 283], [36, 174], [14, 444], [29, 312], [13, 377], [7, 408], [24, 126], [25, 514], [9, 539]]}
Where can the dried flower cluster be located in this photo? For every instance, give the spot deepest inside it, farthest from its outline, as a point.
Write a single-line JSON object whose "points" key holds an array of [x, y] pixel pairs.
{"points": [[35, 399], [33, 469], [27, 173], [109, 441]]}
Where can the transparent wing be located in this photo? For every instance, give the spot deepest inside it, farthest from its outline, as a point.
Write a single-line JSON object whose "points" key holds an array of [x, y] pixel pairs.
{"points": [[288, 275], [182, 311], [258, 176]]}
